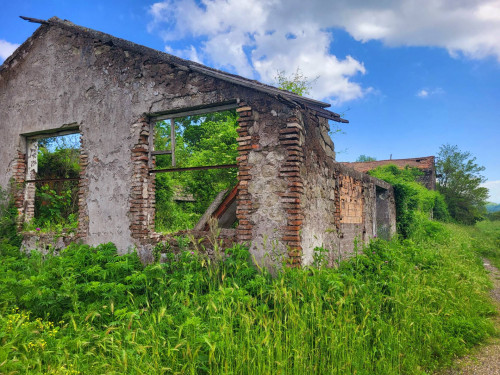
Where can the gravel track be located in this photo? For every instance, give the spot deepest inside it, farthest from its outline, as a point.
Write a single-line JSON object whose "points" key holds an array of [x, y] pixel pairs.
{"points": [[486, 360]]}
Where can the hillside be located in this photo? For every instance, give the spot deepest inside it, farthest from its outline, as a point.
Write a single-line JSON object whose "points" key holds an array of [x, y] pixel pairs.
{"points": [[492, 207]]}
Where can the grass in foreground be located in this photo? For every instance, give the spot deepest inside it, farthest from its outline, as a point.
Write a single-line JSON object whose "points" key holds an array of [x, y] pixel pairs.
{"points": [[486, 235], [396, 308]]}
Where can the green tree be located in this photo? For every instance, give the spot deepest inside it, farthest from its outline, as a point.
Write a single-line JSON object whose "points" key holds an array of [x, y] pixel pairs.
{"points": [[365, 158], [459, 179], [56, 202], [299, 84], [494, 216], [203, 140], [295, 82]]}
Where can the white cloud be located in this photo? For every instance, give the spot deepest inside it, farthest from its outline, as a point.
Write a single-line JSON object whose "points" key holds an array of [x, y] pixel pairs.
{"points": [[494, 188], [6, 49], [189, 53], [425, 93], [284, 35], [308, 49], [249, 38]]}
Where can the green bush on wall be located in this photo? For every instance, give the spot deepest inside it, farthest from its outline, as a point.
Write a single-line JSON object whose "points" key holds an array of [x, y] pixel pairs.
{"points": [[414, 202]]}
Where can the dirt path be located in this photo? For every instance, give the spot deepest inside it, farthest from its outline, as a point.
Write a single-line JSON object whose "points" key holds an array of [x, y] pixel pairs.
{"points": [[486, 360]]}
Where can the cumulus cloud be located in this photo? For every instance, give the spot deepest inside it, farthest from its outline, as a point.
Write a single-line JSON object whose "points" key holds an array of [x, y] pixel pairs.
{"points": [[189, 53], [468, 27], [259, 37], [494, 188], [248, 38], [6, 49]]}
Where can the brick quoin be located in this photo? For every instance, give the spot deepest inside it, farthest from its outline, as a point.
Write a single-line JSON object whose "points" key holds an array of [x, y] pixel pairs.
{"points": [[83, 188], [246, 143], [291, 199], [142, 206], [18, 187]]}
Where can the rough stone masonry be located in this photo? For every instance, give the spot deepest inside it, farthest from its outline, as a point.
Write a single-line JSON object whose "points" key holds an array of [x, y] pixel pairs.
{"points": [[292, 196]]}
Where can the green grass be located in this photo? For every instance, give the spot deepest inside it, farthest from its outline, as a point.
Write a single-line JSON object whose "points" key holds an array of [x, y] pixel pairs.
{"points": [[399, 307], [486, 235]]}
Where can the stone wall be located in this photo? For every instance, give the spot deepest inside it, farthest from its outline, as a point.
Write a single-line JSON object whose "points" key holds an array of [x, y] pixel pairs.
{"points": [[425, 164], [62, 79], [339, 203], [292, 195], [264, 201]]}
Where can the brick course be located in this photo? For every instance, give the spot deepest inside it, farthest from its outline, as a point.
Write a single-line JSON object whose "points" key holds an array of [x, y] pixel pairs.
{"points": [[142, 195], [291, 138], [246, 143]]}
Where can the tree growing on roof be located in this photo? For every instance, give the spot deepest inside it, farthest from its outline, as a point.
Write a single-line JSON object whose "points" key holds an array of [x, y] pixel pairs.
{"points": [[296, 82], [364, 158], [458, 179]]}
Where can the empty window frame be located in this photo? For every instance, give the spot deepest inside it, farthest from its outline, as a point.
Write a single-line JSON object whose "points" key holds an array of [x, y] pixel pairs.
{"points": [[52, 179], [193, 154]]}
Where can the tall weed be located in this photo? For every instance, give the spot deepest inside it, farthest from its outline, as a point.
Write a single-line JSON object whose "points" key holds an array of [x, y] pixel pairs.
{"points": [[396, 308]]}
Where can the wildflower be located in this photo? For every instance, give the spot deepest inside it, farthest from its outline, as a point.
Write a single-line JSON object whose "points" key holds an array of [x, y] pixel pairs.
{"points": [[38, 229], [386, 261], [373, 252], [192, 252]]}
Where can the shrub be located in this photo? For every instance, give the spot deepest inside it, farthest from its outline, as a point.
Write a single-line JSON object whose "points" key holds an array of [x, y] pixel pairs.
{"points": [[414, 203], [396, 307], [8, 219]]}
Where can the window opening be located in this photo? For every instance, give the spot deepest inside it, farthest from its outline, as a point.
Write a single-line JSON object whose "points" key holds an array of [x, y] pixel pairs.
{"points": [[194, 159], [54, 173], [382, 222]]}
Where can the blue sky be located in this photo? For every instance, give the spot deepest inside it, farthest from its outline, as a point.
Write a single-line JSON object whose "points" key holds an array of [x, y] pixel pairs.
{"points": [[409, 76]]}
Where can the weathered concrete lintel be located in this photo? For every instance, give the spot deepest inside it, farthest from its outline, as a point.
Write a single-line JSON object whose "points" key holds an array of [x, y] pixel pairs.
{"points": [[58, 132], [196, 110]]}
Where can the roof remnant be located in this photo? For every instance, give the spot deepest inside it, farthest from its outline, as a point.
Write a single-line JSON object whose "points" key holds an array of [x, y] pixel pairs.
{"points": [[423, 163], [34, 20], [291, 98]]}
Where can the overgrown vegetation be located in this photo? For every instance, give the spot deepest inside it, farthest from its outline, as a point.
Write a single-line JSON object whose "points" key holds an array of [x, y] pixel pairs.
{"points": [[415, 204], [296, 82], [493, 210], [8, 220], [182, 197], [486, 236], [365, 158], [459, 179], [407, 306], [396, 307], [400, 307], [56, 202]]}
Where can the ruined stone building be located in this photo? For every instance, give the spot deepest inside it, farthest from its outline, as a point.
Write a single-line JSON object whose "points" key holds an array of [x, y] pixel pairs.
{"points": [[292, 195], [425, 164]]}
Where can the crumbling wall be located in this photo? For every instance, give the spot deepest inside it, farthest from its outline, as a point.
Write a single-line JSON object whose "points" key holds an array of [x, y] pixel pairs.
{"points": [[63, 78], [266, 175], [292, 195], [339, 204], [429, 177], [425, 164]]}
